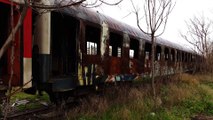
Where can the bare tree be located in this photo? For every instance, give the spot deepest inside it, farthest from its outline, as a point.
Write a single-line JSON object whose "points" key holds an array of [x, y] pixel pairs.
{"points": [[155, 14], [198, 34]]}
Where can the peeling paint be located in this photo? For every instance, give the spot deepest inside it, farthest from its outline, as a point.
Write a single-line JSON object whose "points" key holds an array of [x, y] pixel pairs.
{"points": [[104, 38]]}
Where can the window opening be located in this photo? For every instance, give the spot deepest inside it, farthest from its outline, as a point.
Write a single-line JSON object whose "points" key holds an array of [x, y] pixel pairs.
{"points": [[148, 49], [134, 48], [186, 57], [92, 40], [183, 57], [178, 56], [166, 52], [173, 55], [158, 53], [115, 45]]}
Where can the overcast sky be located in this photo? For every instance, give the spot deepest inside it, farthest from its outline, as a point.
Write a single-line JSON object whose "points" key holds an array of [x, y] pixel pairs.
{"points": [[183, 11]]}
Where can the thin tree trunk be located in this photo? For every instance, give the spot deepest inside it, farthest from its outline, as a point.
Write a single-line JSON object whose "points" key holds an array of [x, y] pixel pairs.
{"points": [[9, 40], [153, 66], [4, 48]]}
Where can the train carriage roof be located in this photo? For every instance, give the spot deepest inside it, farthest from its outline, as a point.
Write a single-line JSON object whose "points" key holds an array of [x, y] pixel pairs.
{"points": [[95, 17]]}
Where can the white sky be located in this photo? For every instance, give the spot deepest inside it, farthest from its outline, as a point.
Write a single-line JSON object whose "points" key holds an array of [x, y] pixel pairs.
{"points": [[183, 11]]}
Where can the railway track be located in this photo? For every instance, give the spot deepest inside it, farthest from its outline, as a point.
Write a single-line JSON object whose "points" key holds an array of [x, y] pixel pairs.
{"points": [[52, 111], [27, 113], [56, 112], [43, 113]]}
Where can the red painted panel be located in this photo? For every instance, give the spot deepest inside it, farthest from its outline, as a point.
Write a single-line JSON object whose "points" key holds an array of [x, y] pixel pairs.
{"points": [[27, 52], [28, 34], [17, 62], [5, 1]]}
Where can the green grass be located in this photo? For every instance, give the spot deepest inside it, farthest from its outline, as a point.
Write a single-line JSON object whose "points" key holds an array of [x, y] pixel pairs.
{"points": [[33, 100], [22, 95]]}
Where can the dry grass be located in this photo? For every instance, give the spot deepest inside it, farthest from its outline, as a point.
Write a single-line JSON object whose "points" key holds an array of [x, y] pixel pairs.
{"points": [[188, 78], [95, 106], [123, 114], [127, 102], [181, 87], [175, 94], [92, 106]]}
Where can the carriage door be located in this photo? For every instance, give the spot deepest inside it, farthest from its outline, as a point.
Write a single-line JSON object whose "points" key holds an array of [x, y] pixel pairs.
{"points": [[63, 45]]}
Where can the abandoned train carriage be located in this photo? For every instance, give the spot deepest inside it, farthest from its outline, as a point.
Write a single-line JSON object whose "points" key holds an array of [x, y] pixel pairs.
{"points": [[74, 47], [83, 48]]}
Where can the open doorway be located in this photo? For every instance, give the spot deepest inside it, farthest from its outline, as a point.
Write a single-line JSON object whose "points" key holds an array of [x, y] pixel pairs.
{"points": [[63, 46], [4, 31]]}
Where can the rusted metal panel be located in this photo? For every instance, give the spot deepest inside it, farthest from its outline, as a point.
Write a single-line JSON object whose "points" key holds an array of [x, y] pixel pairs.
{"points": [[115, 66], [134, 66], [92, 59]]}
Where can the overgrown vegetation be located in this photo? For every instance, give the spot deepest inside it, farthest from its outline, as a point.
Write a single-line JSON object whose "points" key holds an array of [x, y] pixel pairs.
{"points": [[34, 101], [22, 101], [180, 97]]}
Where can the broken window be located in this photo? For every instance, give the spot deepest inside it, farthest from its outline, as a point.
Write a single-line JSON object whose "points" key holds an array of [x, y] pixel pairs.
{"points": [[158, 53], [134, 48], [115, 45], [92, 40], [148, 49], [91, 48]]}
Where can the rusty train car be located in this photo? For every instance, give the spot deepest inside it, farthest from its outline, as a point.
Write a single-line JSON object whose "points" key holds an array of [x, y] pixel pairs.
{"points": [[75, 47]]}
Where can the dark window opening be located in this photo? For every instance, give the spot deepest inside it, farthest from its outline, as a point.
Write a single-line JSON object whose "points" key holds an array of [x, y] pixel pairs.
{"points": [[173, 55], [92, 40], [63, 44], [115, 45], [193, 58], [166, 54], [134, 48], [4, 32], [178, 56], [158, 53], [186, 57], [189, 57], [183, 57], [148, 49]]}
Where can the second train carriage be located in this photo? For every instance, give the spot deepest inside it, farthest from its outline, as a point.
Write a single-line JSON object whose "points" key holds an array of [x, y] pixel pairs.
{"points": [[80, 47], [77, 47]]}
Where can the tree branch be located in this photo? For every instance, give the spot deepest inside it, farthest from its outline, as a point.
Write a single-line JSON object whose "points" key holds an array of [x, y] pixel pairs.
{"points": [[8, 42]]}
